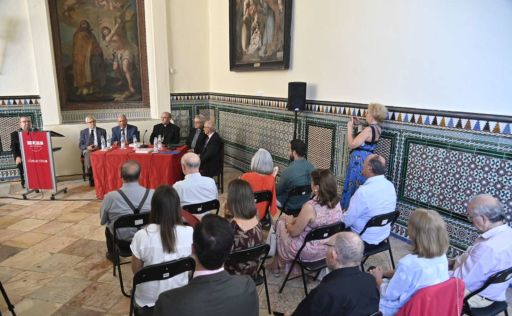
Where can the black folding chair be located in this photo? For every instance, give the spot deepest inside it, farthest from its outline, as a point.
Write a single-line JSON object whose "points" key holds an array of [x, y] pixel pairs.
{"points": [[161, 271], [258, 253], [379, 221], [220, 176], [204, 207], [302, 190], [313, 266], [9, 304], [496, 307], [264, 196], [120, 246]]}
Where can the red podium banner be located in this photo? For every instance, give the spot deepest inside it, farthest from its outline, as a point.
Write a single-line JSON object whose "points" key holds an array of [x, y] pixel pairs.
{"points": [[38, 160]]}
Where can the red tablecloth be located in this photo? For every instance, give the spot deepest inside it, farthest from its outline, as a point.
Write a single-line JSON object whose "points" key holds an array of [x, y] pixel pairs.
{"points": [[156, 169]]}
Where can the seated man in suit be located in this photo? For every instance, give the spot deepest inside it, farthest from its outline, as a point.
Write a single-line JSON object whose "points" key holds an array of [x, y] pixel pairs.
{"points": [[169, 131], [211, 151], [375, 196], [117, 203], [90, 140], [212, 290], [196, 137], [25, 126], [345, 290], [123, 128]]}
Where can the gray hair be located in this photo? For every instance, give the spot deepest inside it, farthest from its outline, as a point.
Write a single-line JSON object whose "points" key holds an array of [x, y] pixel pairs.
{"points": [[191, 160], [200, 117], [211, 125], [349, 247], [90, 117], [488, 206], [122, 116], [262, 162]]}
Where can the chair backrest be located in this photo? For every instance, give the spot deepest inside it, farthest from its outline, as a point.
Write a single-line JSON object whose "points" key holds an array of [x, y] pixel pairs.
{"points": [[443, 299], [161, 271], [131, 221], [499, 277], [300, 190], [200, 208], [322, 233], [381, 220], [263, 196], [257, 253]]}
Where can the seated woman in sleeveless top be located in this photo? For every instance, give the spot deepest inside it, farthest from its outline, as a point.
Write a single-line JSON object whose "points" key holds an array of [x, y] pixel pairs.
{"points": [[164, 239], [362, 145]]}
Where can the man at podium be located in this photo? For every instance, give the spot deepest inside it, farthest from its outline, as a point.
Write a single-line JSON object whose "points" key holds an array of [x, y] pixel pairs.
{"points": [[25, 125]]}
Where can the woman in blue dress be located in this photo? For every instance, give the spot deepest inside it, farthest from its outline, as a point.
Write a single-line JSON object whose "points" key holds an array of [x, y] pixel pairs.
{"points": [[362, 145]]}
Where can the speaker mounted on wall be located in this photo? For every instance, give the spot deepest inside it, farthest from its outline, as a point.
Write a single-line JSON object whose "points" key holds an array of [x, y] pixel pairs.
{"points": [[296, 96]]}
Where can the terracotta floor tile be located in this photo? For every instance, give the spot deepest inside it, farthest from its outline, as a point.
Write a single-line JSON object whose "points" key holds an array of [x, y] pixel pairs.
{"points": [[56, 263], [60, 289], [8, 251], [91, 268], [27, 282], [73, 217], [67, 310], [79, 230], [27, 224], [7, 273], [54, 244], [30, 306], [25, 259], [98, 296], [26, 240], [85, 248], [8, 220], [6, 234], [52, 227]]}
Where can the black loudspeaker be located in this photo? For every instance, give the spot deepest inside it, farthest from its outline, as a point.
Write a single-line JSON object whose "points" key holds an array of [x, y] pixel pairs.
{"points": [[296, 96]]}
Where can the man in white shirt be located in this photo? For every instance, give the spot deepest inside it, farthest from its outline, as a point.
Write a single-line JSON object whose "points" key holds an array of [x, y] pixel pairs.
{"points": [[194, 188], [375, 197]]}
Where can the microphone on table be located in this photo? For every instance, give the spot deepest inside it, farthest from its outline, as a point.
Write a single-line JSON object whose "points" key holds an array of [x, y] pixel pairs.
{"points": [[143, 136]]}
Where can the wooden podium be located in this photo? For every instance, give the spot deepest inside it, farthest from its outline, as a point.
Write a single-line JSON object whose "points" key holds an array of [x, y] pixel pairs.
{"points": [[37, 155]]}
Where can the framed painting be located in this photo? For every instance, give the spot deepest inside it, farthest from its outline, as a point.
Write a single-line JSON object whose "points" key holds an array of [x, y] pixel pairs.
{"points": [[259, 34], [100, 53]]}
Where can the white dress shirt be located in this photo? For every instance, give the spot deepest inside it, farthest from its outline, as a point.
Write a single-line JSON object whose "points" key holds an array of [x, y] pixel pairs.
{"points": [[196, 189], [376, 196]]}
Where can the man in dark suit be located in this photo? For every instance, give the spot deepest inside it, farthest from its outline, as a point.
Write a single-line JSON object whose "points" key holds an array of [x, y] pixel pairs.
{"points": [[169, 131], [211, 151], [25, 126], [196, 137], [212, 291], [346, 290], [90, 140], [124, 128]]}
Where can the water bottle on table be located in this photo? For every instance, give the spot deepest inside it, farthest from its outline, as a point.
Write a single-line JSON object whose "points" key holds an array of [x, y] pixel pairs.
{"points": [[159, 142], [103, 143], [123, 142], [155, 145], [135, 145]]}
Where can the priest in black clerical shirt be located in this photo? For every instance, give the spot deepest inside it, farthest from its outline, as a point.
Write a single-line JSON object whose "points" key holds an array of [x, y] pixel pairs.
{"points": [[169, 131]]}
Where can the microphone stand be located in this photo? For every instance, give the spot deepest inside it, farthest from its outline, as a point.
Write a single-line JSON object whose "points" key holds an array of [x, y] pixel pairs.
{"points": [[143, 140]]}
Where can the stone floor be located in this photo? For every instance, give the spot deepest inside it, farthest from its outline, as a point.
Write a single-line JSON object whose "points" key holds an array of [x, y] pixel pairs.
{"points": [[52, 256]]}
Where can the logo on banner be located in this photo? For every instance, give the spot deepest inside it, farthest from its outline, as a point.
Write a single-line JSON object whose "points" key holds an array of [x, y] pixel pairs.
{"points": [[35, 145]]}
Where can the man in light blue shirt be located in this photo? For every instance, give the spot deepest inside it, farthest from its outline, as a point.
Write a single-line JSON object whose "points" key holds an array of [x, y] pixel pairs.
{"points": [[375, 197], [194, 188]]}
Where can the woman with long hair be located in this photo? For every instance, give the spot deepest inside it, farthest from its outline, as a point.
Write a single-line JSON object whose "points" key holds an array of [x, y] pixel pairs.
{"points": [[164, 239]]}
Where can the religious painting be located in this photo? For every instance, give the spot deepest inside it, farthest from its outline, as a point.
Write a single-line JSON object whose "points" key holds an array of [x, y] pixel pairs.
{"points": [[259, 34], [100, 53]]}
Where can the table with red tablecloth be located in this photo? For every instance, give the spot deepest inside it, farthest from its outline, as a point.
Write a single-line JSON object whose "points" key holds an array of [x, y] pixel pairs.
{"points": [[156, 168]]}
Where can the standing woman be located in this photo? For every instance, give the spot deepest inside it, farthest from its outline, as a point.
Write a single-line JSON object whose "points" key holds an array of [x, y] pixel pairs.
{"points": [[362, 145]]}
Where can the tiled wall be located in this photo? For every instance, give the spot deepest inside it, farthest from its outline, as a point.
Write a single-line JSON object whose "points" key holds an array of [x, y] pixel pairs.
{"points": [[435, 159]]}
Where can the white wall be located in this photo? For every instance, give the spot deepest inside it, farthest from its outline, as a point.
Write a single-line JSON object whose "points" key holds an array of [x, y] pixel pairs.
{"points": [[450, 55], [17, 69]]}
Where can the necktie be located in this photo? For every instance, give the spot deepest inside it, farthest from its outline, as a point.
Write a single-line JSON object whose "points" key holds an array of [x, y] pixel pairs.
{"points": [[91, 138], [194, 140]]}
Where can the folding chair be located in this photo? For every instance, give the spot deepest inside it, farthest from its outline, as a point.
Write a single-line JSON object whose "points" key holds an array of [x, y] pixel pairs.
{"points": [[496, 307], [264, 196], [120, 250], [258, 253], [161, 271], [379, 221], [220, 176], [204, 207], [316, 234], [301, 190], [8, 301]]}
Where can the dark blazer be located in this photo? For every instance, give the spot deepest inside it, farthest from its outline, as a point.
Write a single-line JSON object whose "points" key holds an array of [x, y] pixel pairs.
{"points": [[200, 140], [15, 142], [211, 156], [171, 133], [345, 291], [84, 137], [131, 130], [215, 294]]}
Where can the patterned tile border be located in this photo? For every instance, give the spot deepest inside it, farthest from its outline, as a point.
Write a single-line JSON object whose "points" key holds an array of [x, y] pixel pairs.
{"points": [[483, 123], [106, 115], [19, 100]]}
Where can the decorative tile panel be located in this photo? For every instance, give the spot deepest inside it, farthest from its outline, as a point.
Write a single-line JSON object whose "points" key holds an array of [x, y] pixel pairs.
{"points": [[106, 115]]}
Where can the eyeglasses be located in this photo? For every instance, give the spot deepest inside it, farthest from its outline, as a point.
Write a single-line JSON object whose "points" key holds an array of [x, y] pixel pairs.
{"points": [[330, 245]]}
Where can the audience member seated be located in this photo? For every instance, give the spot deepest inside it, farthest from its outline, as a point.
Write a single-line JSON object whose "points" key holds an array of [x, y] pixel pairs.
{"points": [[196, 136], [345, 290], [90, 140], [262, 178], [241, 209], [194, 188], [211, 152], [426, 265], [117, 203], [212, 291], [322, 210], [123, 128], [375, 197], [164, 239], [491, 252], [297, 174], [170, 132]]}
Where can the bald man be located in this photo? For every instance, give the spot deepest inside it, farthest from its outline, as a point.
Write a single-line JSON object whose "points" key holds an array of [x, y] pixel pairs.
{"points": [[375, 196], [194, 188], [169, 131]]}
